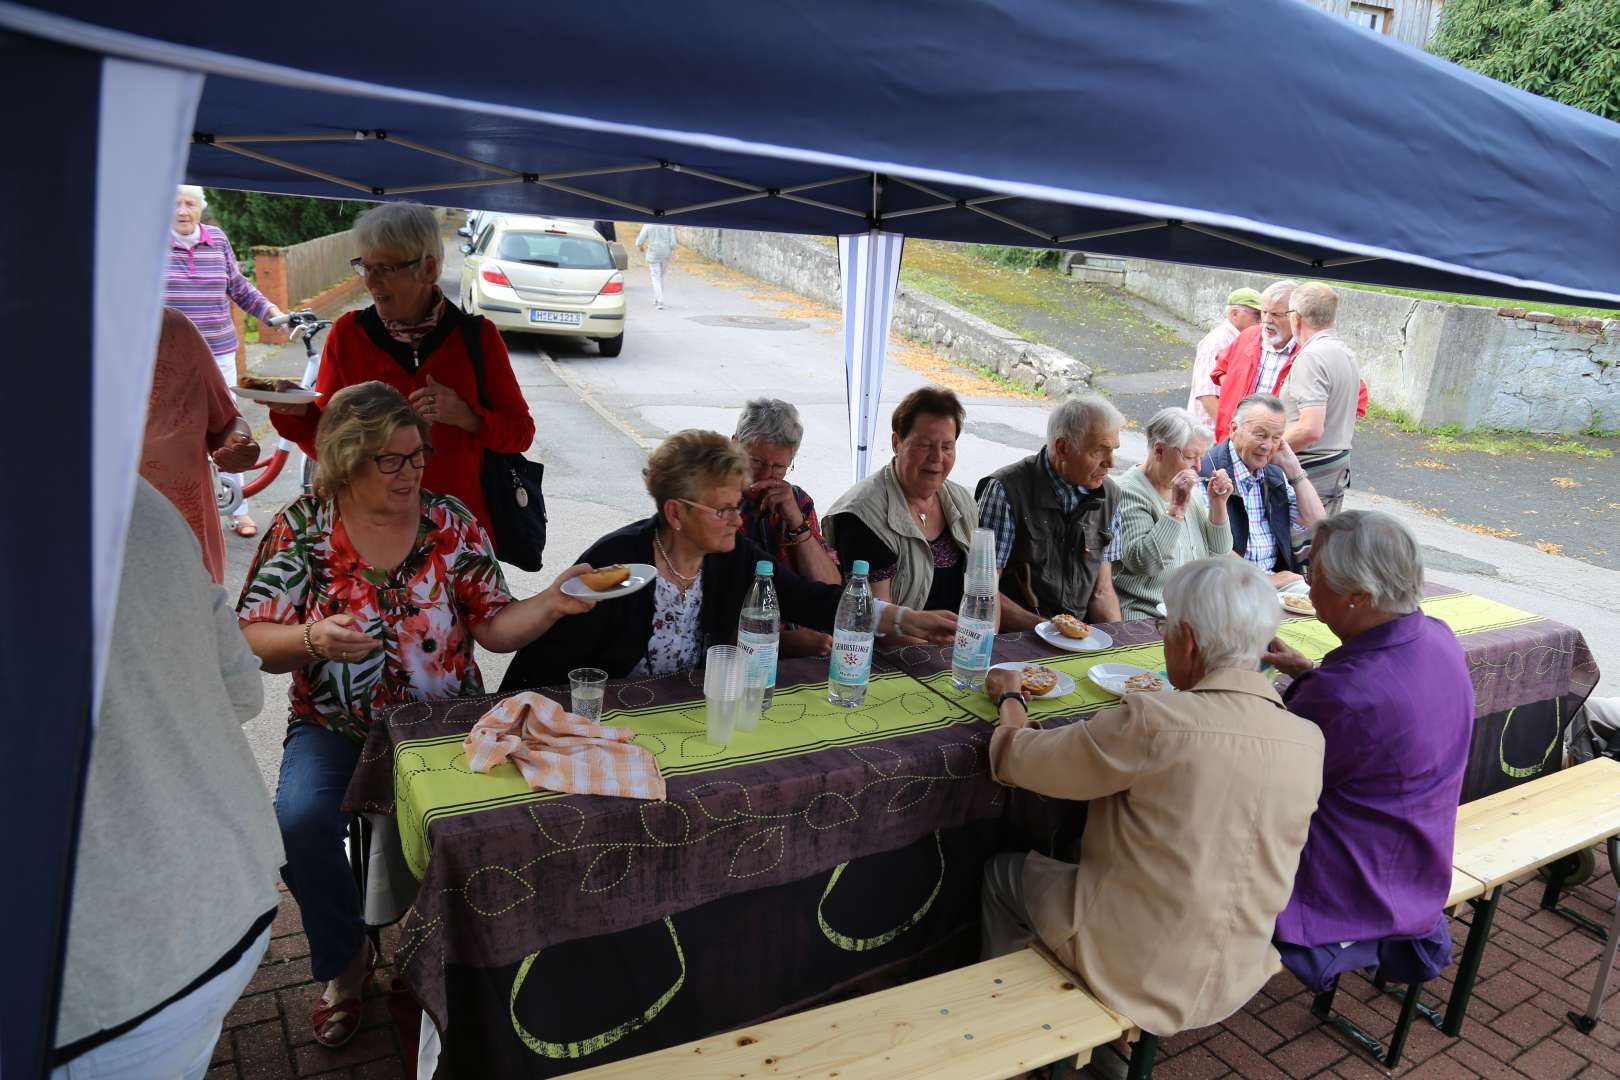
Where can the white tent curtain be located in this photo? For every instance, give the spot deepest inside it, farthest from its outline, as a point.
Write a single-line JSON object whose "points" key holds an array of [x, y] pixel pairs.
{"points": [[869, 267], [143, 138]]}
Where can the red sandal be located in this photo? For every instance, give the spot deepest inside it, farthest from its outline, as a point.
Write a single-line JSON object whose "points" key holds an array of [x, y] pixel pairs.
{"points": [[335, 1024]]}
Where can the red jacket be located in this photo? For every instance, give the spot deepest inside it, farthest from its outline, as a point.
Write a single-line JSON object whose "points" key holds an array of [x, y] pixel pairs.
{"points": [[359, 349], [1238, 369]]}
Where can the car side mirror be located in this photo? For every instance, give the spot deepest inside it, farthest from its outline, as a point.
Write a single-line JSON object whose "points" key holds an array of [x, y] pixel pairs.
{"points": [[621, 257], [466, 249]]}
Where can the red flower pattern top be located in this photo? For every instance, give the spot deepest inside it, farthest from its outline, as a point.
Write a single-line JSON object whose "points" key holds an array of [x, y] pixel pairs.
{"points": [[306, 569]]}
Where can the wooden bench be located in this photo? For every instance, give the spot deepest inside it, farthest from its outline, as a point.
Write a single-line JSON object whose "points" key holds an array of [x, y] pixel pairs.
{"points": [[1516, 832], [991, 1020]]}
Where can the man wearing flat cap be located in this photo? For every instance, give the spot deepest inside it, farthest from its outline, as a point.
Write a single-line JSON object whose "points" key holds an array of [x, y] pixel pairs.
{"points": [[1242, 312]]}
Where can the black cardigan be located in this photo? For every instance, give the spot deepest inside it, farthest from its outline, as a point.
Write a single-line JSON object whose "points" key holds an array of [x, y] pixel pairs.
{"points": [[613, 635]]}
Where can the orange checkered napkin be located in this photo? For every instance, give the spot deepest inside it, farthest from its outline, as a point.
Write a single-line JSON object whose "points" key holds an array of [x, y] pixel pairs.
{"points": [[559, 751]]}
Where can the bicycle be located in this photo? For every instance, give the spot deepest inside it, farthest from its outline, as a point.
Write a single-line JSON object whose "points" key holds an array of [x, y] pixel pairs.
{"points": [[228, 493]]}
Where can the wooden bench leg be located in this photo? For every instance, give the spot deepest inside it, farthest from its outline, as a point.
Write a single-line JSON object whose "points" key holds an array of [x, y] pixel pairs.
{"points": [[1142, 1055], [1468, 967], [1585, 1022]]}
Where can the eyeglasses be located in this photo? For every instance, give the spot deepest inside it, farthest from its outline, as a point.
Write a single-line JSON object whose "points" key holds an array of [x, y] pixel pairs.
{"points": [[724, 513], [365, 269], [1276, 314], [389, 464], [778, 471]]}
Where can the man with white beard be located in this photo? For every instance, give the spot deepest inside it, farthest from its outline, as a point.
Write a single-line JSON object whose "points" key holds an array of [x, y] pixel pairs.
{"points": [[1255, 362]]}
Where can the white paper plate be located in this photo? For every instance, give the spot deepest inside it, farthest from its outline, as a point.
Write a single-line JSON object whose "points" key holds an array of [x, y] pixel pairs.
{"points": [[1064, 687], [1111, 677], [640, 575], [276, 397], [1050, 634], [1283, 596]]}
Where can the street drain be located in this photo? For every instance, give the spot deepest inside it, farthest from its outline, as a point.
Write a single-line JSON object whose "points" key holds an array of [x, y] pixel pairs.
{"points": [[749, 322]]}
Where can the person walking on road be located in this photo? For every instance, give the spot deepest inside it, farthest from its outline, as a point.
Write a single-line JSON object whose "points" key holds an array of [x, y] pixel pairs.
{"points": [[1321, 390], [657, 242], [202, 282], [1242, 312]]}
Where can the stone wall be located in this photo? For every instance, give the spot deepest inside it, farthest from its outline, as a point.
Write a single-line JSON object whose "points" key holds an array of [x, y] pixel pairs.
{"points": [[810, 268], [1475, 367]]}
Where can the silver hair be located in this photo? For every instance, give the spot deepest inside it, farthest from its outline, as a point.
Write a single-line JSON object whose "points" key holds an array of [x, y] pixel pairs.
{"points": [[196, 193], [1316, 304], [770, 420], [1270, 402], [1366, 551], [1175, 427], [1078, 417], [1230, 607], [408, 230], [1285, 287]]}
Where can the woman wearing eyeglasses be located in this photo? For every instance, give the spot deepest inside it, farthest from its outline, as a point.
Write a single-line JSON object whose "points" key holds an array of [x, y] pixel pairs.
{"points": [[419, 343], [705, 566], [370, 593]]}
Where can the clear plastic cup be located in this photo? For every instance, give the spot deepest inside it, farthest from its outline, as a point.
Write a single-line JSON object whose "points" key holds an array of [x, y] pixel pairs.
{"points": [[722, 693], [586, 688]]}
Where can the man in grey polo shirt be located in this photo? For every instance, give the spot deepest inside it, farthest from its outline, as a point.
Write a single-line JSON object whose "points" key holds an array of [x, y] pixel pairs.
{"points": [[1320, 394]]}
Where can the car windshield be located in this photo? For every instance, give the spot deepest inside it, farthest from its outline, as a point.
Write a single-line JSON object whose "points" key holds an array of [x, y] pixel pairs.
{"points": [[552, 249]]}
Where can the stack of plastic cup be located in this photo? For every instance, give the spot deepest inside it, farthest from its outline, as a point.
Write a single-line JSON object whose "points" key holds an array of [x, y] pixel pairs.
{"points": [[722, 692], [981, 564]]}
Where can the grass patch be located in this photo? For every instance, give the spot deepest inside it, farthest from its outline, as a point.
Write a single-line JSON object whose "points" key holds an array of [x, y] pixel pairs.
{"points": [[1567, 310], [1497, 443]]}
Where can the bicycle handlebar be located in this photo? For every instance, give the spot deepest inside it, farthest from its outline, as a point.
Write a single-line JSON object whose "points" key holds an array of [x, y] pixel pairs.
{"points": [[303, 318]]}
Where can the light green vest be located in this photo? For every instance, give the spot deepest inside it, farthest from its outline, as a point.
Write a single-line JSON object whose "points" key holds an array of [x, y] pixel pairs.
{"points": [[880, 504]]}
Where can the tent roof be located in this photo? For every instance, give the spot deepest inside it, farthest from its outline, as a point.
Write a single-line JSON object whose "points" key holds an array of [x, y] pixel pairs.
{"points": [[1284, 141]]}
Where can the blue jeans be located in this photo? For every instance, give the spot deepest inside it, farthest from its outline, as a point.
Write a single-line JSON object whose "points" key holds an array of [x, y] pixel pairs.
{"points": [[316, 765]]}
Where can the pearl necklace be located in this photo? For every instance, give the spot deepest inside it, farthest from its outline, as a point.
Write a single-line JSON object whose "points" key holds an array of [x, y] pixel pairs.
{"points": [[682, 582]]}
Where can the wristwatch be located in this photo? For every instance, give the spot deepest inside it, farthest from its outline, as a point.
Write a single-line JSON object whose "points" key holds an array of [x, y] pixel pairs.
{"points": [[1297, 477], [1017, 695]]}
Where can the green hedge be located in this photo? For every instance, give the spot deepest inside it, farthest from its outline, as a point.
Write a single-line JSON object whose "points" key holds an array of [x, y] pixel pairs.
{"points": [[1021, 258]]}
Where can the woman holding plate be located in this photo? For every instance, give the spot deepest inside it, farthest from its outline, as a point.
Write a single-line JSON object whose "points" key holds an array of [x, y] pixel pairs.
{"points": [[371, 593], [701, 568]]}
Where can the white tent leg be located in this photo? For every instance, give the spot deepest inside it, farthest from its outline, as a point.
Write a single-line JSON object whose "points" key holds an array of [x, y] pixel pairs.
{"points": [[869, 268], [143, 138]]}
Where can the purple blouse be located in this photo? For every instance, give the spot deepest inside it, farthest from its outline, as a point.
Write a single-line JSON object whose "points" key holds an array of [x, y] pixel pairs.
{"points": [[1396, 709], [203, 281]]}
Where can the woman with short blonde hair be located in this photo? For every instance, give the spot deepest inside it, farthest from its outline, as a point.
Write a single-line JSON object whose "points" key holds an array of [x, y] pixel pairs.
{"points": [[703, 569]]}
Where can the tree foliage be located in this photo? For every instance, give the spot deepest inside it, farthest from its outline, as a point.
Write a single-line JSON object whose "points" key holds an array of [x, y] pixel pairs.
{"points": [[251, 217], [1568, 50]]}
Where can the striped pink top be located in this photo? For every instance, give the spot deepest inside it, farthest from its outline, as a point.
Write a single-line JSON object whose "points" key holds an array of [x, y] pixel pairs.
{"points": [[201, 283]]}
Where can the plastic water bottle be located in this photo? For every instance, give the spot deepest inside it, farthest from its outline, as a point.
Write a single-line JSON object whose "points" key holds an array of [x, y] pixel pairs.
{"points": [[758, 632], [976, 619], [851, 666]]}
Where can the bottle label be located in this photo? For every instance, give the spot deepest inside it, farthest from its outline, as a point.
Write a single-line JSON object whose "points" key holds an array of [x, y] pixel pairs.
{"points": [[760, 653], [851, 657], [974, 640]]}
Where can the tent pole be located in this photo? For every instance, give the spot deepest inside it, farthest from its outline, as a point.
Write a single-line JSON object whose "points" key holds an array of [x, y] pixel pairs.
{"points": [[869, 272]]}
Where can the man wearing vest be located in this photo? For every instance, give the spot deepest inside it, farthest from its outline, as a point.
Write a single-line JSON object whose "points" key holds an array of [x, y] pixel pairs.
{"points": [[1257, 360], [1276, 498], [1320, 392], [1056, 519]]}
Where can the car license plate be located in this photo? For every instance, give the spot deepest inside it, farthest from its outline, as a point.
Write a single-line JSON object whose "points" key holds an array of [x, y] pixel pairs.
{"points": [[560, 318]]}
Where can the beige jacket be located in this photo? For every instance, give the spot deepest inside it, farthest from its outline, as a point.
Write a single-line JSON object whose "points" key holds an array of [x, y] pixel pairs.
{"points": [[881, 505], [1200, 804]]}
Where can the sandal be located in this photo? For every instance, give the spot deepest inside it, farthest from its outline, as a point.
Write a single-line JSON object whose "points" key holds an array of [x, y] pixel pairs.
{"points": [[335, 1024], [244, 526]]}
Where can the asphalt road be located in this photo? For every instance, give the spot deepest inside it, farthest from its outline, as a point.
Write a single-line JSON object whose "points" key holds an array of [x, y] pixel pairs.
{"points": [[722, 339]]}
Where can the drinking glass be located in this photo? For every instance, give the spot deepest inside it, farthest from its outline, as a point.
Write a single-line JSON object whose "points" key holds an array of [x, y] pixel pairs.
{"points": [[586, 686]]}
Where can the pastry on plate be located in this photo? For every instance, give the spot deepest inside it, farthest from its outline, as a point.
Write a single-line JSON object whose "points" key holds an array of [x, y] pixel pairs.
{"points": [[605, 578], [1036, 680], [1299, 605], [1146, 682], [1069, 626]]}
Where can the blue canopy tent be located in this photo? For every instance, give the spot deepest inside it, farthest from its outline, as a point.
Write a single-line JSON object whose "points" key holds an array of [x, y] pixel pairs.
{"points": [[1150, 128]]}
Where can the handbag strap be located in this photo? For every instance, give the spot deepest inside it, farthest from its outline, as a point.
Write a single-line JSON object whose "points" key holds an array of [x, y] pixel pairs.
{"points": [[472, 336]]}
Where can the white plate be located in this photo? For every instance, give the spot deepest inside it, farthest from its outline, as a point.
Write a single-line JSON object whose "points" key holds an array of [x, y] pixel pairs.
{"points": [[276, 397], [557, 318], [640, 575], [1111, 677], [1064, 687], [1050, 634], [1281, 600], [1163, 611]]}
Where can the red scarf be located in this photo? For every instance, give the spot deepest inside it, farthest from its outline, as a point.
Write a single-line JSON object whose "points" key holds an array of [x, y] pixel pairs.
{"points": [[411, 333]]}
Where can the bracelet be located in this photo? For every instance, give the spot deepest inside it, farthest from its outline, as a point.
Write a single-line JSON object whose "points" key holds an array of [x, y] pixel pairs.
{"points": [[309, 646], [802, 537], [899, 620], [804, 527], [1296, 479], [1014, 695]]}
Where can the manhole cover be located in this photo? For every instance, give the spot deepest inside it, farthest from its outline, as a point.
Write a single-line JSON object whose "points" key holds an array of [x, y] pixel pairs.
{"points": [[749, 322]]}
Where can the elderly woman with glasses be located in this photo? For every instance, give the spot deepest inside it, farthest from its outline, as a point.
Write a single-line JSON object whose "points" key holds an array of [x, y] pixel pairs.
{"points": [[422, 345], [370, 593], [1165, 519], [1395, 704], [705, 567]]}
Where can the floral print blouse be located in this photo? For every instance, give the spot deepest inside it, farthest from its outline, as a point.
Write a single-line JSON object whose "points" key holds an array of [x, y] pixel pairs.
{"points": [[677, 636], [306, 569]]}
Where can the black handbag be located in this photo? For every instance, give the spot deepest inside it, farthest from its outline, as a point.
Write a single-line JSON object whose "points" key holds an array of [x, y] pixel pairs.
{"points": [[517, 506]]}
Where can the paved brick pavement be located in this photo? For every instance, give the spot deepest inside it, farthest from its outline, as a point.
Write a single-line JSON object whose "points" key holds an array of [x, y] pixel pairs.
{"points": [[1539, 967]]}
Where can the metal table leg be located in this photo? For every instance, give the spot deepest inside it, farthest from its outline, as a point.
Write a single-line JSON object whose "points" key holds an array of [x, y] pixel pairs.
{"points": [[1584, 1023], [1468, 967]]}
